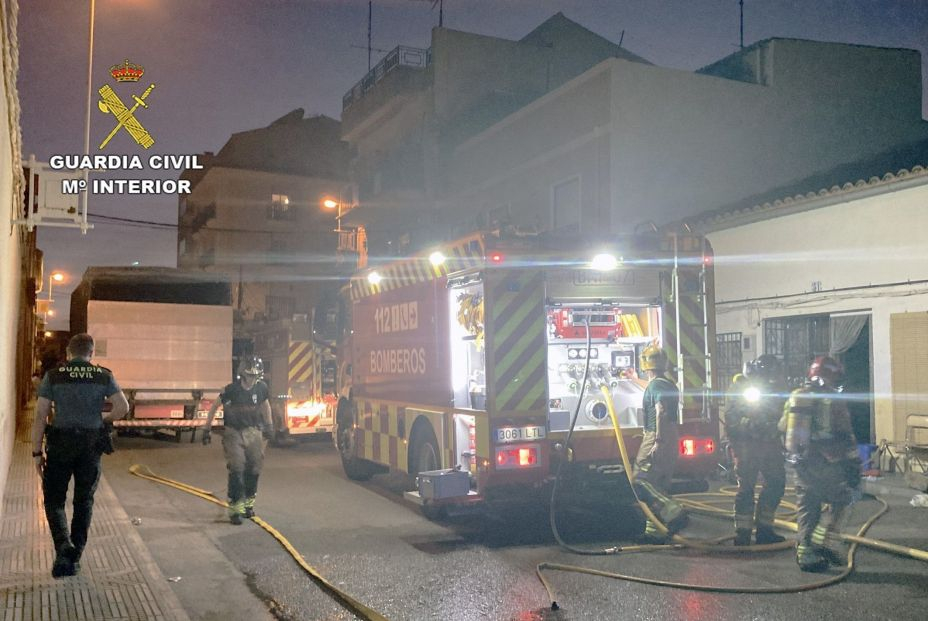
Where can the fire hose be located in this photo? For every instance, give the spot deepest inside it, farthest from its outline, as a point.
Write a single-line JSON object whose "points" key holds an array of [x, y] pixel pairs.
{"points": [[678, 541], [361, 610]]}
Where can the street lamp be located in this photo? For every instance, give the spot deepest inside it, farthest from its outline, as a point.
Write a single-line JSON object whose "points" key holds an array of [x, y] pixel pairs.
{"points": [[93, 6], [52, 279], [331, 203]]}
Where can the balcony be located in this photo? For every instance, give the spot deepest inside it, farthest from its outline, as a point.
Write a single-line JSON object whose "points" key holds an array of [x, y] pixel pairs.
{"points": [[401, 56]]}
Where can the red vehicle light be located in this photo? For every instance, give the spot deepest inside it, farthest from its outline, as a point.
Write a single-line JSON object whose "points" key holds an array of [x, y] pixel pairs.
{"points": [[496, 257], [690, 447], [687, 447], [517, 457]]}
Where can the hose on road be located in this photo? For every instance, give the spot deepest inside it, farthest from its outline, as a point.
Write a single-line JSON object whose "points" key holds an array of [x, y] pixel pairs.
{"points": [[356, 607], [714, 545]]}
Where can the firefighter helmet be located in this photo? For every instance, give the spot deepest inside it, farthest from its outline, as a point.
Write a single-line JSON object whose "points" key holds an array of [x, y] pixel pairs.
{"points": [[251, 365], [653, 358], [826, 369], [764, 368]]}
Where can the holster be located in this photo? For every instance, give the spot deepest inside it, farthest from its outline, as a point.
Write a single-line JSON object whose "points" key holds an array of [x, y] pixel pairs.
{"points": [[104, 444]]}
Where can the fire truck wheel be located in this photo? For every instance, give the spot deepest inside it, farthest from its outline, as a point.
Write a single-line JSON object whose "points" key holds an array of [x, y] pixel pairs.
{"points": [[355, 468], [425, 451], [425, 458]]}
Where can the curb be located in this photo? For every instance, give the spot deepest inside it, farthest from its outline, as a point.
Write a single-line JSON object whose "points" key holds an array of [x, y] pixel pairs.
{"points": [[894, 487]]}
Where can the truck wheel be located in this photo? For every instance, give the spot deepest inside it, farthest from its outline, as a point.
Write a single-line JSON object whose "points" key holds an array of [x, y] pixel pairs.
{"points": [[426, 452], [355, 468], [425, 458]]}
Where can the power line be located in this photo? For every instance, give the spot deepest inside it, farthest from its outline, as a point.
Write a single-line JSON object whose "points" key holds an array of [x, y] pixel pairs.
{"points": [[168, 226]]}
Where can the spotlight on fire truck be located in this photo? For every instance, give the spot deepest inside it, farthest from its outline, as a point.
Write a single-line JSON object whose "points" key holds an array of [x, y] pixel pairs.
{"points": [[604, 262], [374, 278], [436, 258]]}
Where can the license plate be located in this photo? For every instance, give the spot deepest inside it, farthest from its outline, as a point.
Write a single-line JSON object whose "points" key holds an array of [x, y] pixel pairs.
{"points": [[519, 434]]}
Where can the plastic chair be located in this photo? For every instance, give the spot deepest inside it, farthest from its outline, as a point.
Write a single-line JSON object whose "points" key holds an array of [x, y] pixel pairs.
{"points": [[916, 442]]}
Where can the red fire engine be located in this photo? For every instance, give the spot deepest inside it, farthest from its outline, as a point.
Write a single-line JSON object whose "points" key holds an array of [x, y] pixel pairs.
{"points": [[466, 363]]}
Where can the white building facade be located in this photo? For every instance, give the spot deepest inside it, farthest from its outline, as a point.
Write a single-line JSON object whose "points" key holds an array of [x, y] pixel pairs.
{"points": [[843, 271]]}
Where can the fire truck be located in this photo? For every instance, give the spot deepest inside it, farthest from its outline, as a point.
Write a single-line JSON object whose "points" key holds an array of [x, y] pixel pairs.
{"points": [[468, 364], [299, 368]]}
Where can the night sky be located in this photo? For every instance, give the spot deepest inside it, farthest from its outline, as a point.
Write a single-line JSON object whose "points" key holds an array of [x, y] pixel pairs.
{"points": [[224, 66]]}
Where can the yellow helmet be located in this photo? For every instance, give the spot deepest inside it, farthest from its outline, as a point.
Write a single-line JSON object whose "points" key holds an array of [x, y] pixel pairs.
{"points": [[653, 358]]}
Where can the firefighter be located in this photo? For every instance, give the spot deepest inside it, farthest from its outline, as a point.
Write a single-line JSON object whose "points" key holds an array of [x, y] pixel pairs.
{"points": [[74, 441], [821, 445], [247, 422], [751, 429], [657, 454]]}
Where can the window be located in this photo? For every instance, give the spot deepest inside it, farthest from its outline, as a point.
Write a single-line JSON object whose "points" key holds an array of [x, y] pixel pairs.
{"points": [[729, 359], [565, 205], [279, 307], [280, 209], [796, 341]]}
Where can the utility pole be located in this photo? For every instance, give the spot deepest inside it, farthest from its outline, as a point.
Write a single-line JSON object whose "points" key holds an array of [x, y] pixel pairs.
{"points": [[370, 12], [741, 7]]}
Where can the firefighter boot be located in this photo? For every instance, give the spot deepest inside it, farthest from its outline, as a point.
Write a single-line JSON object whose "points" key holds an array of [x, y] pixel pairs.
{"points": [[652, 536], [828, 546], [743, 537], [236, 511], [673, 515], [809, 558], [249, 507], [766, 535]]}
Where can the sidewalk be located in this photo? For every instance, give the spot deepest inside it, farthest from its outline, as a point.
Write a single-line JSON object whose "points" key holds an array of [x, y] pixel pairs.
{"points": [[889, 485], [119, 580]]}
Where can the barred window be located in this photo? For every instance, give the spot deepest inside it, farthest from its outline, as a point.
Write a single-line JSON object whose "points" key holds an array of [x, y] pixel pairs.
{"points": [[796, 341], [280, 208]]}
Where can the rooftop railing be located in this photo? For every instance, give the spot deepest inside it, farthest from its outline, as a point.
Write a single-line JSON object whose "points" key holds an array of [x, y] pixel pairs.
{"points": [[400, 56]]}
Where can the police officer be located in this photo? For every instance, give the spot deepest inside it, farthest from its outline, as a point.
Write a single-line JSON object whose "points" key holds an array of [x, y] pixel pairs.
{"points": [[247, 422], [74, 441], [751, 420], [657, 454], [821, 444]]}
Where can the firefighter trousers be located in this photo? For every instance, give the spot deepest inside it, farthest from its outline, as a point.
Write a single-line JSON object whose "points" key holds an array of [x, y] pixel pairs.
{"points": [[653, 480], [817, 483], [244, 452], [70, 454], [753, 458]]}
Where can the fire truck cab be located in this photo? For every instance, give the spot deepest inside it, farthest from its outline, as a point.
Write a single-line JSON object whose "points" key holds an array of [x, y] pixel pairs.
{"points": [[467, 365]]}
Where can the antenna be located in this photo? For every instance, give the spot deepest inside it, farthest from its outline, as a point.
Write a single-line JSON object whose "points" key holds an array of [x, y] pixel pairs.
{"points": [[741, 9], [441, 10]]}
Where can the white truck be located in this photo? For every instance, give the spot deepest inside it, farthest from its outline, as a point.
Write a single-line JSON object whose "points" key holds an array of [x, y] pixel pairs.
{"points": [[167, 336]]}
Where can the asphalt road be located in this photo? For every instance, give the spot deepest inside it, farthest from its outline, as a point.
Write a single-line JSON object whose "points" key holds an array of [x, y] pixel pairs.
{"points": [[368, 541]]}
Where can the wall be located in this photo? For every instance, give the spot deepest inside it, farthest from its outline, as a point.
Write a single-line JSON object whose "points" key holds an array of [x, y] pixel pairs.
{"points": [[680, 143], [862, 244], [276, 257], [517, 161], [11, 244]]}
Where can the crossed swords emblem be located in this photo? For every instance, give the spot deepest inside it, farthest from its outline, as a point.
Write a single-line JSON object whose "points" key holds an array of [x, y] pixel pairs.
{"points": [[125, 117]]}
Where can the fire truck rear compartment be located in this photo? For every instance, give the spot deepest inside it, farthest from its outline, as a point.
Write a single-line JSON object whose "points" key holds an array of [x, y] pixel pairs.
{"points": [[617, 332]]}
